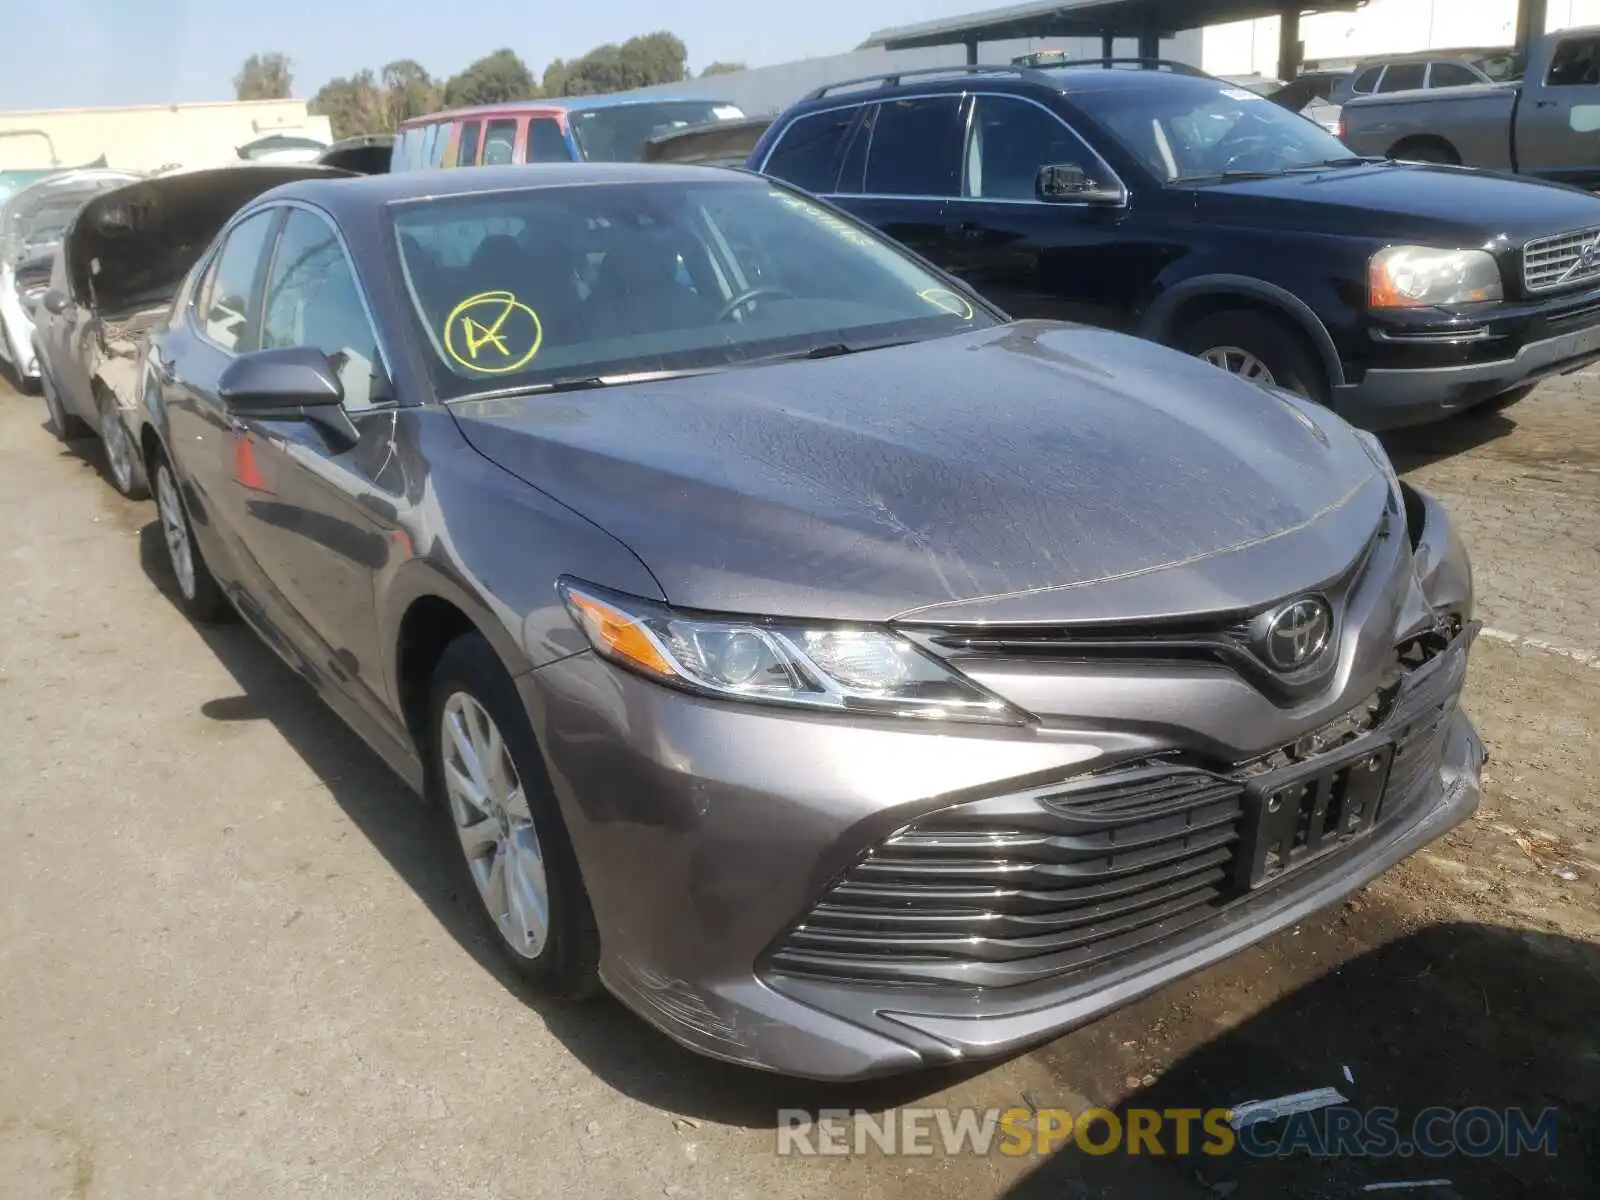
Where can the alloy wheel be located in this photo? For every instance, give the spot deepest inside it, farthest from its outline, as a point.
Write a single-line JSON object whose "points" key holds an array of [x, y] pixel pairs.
{"points": [[491, 816], [175, 528], [1240, 362]]}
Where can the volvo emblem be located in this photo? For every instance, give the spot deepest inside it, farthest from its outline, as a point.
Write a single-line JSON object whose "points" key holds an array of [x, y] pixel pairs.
{"points": [[1588, 255], [1297, 634]]}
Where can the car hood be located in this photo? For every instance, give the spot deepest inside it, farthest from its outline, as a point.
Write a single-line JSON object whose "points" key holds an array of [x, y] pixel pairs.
{"points": [[1411, 200], [1032, 472], [40, 212], [135, 244]]}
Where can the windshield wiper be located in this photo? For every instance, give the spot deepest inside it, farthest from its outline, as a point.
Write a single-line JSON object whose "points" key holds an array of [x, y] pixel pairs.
{"points": [[833, 350], [1352, 160]]}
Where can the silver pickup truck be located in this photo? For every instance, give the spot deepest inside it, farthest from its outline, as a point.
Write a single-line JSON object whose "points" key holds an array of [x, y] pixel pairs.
{"points": [[1545, 125]]}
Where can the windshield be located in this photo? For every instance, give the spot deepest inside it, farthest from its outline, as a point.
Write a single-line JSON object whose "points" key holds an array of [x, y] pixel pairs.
{"points": [[1193, 128], [554, 285], [618, 132]]}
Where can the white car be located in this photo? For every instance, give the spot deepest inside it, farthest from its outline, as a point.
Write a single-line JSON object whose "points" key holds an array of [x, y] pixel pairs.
{"points": [[32, 222]]}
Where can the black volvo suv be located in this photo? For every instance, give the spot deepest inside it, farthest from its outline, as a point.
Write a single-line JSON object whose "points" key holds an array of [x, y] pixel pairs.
{"points": [[1171, 204]]}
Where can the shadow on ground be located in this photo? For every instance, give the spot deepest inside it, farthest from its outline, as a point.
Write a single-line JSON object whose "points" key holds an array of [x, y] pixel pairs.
{"points": [[616, 1045], [1423, 444], [1453, 1015]]}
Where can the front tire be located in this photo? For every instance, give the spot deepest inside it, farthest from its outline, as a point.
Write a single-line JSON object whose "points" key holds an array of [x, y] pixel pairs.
{"points": [[122, 459], [484, 764], [198, 590], [1258, 347]]}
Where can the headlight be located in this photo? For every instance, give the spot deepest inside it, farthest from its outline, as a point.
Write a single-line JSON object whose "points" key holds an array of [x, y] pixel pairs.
{"points": [[1419, 277], [844, 669]]}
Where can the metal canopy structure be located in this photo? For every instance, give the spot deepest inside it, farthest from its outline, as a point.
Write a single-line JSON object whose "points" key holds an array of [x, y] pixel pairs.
{"points": [[1147, 20]]}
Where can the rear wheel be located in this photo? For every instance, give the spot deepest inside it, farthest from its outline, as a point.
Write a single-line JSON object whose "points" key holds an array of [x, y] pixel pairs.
{"points": [[1426, 150], [1258, 347], [198, 589], [485, 764], [62, 423]]}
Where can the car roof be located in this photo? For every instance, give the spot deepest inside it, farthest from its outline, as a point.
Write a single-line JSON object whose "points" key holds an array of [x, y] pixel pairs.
{"points": [[554, 104], [352, 196]]}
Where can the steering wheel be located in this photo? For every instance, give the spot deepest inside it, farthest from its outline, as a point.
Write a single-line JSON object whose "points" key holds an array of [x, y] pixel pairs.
{"points": [[744, 298], [1253, 154]]}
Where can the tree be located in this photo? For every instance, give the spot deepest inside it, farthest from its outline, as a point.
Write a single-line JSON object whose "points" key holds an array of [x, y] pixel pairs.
{"points": [[411, 91], [493, 79], [354, 105], [264, 77], [723, 68], [638, 62]]}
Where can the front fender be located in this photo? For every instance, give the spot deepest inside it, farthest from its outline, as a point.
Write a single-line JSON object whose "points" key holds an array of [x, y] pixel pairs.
{"points": [[1156, 320]]}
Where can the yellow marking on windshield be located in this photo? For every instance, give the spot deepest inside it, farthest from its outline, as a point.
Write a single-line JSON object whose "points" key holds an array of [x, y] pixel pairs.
{"points": [[493, 333], [951, 302]]}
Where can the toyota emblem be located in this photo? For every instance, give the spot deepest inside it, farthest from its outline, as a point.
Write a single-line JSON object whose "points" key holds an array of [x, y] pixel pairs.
{"points": [[1297, 634]]}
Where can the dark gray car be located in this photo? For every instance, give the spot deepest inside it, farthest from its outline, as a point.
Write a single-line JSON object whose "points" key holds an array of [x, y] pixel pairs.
{"points": [[848, 678]]}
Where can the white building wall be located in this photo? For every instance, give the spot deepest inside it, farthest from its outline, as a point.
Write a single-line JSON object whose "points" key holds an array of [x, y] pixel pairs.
{"points": [[1382, 27], [148, 137]]}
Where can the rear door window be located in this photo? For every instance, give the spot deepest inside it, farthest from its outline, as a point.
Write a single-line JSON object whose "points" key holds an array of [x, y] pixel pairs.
{"points": [[1449, 74], [1576, 63], [467, 154], [546, 142], [500, 142], [1404, 77], [223, 305], [916, 148], [1366, 82], [808, 151]]}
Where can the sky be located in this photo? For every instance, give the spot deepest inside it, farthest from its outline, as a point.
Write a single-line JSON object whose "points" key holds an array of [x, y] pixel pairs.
{"points": [[82, 53]]}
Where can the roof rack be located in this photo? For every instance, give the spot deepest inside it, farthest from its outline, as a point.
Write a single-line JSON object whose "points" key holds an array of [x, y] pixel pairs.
{"points": [[889, 79], [1150, 64]]}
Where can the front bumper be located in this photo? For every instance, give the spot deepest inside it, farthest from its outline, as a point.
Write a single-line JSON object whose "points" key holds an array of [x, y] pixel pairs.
{"points": [[1418, 372], [707, 831]]}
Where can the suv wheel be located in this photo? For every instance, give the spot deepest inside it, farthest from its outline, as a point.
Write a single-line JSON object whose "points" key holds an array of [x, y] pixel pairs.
{"points": [[1257, 347]]}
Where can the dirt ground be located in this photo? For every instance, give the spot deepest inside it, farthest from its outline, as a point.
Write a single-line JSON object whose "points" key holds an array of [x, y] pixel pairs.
{"points": [[233, 963]]}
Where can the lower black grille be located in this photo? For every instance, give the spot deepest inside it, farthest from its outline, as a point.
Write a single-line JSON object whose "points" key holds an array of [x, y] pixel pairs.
{"points": [[1021, 887], [1004, 890]]}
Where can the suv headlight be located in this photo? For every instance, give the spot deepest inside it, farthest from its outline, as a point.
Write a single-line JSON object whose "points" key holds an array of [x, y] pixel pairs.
{"points": [[1421, 277], [851, 669]]}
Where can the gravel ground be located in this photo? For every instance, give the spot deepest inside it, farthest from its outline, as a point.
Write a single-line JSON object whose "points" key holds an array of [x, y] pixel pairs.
{"points": [[232, 962]]}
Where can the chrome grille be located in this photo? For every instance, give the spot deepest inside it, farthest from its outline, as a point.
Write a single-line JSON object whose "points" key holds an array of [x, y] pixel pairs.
{"points": [[1562, 261], [1010, 889]]}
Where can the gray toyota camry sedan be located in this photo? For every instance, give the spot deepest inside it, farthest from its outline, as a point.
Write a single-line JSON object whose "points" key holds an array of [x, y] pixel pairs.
{"points": [[847, 677]]}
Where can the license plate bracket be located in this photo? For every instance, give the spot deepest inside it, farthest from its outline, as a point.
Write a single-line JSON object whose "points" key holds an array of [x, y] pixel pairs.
{"points": [[1298, 814]]}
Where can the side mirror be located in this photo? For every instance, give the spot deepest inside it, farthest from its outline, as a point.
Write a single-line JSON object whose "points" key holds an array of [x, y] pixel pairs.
{"points": [[54, 302], [279, 383], [1066, 183]]}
